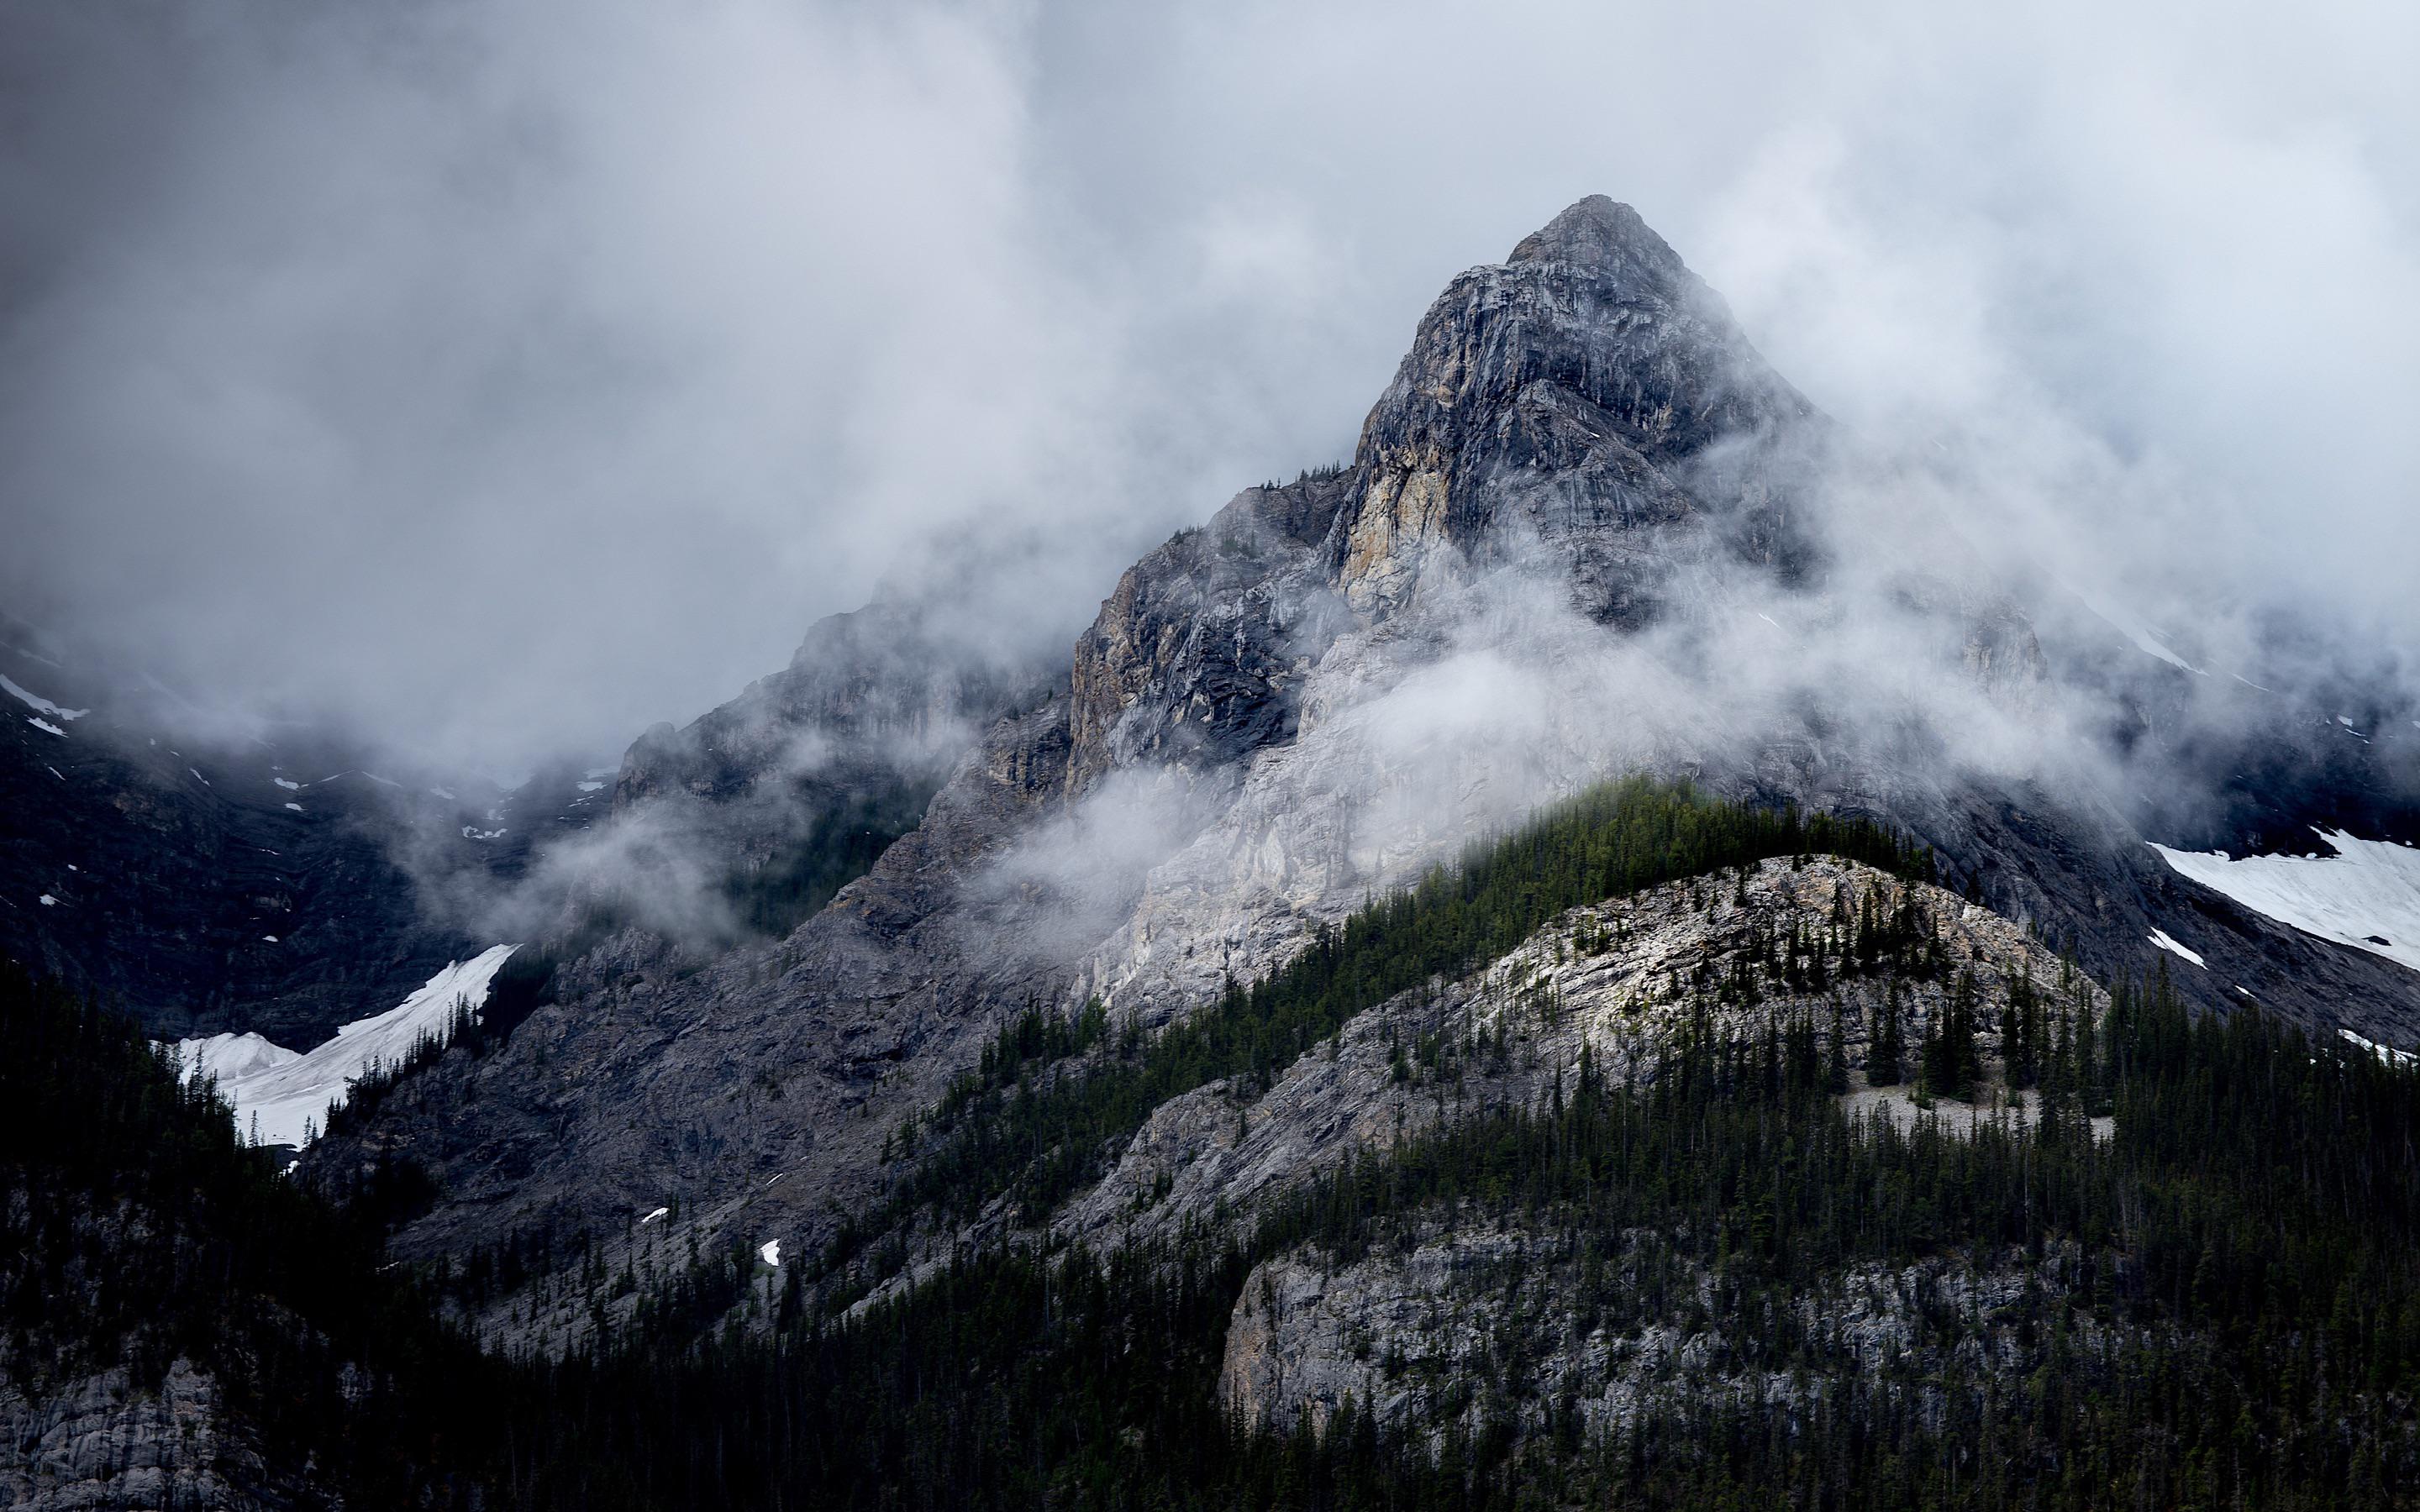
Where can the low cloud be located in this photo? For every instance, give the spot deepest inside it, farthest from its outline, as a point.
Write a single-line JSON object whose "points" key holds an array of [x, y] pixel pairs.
{"points": [[502, 379]]}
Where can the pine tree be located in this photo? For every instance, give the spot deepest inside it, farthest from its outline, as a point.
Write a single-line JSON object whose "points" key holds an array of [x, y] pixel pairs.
{"points": [[1884, 1045], [1947, 1063]]}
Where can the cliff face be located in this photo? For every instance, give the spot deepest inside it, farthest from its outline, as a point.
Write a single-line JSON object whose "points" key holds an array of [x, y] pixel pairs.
{"points": [[100, 1441], [1583, 399], [1582, 488]]}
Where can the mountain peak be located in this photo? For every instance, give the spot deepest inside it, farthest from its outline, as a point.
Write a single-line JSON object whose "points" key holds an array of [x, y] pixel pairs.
{"points": [[1597, 232]]}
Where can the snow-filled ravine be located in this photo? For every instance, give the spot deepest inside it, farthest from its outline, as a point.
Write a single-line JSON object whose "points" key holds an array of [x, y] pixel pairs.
{"points": [[284, 1088], [2367, 895]]}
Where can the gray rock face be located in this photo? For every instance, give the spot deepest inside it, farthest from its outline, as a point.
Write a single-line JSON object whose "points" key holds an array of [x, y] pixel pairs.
{"points": [[1549, 1326], [1581, 399], [1196, 660], [100, 1443]]}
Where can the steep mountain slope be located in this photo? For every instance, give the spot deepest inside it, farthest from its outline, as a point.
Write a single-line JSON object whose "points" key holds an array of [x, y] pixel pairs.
{"points": [[1587, 531], [785, 794]]}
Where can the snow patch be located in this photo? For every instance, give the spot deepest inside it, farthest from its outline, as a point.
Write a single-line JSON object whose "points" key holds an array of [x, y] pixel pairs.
{"points": [[49, 902], [442, 794], [770, 1252], [40, 705], [296, 807], [287, 783], [271, 938], [2385, 1053], [199, 777], [40, 723], [286, 1089], [55, 772], [590, 787], [2144, 638], [228, 1056], [2161, 939], [659, 1213], [2367, 895]]}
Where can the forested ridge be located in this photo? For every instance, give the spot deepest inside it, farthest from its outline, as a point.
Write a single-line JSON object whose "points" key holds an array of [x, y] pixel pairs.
{"points": [[2235, 1319], [1022, 1123]]}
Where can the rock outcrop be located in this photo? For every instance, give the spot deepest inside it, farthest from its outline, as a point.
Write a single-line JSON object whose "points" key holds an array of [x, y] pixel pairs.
{"points": [[1612, 981], [102, 1442]]}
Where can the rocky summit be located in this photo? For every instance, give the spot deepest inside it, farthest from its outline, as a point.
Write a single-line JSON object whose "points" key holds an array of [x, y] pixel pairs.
{"points": [[1598, 949]]}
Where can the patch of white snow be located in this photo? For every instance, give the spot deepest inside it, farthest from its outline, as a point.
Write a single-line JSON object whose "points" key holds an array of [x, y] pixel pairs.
{"points": [[228, 1056], [39, 704], [287, 1090], [2161, 939], [49, 902], [770, 1252], [40, 723], [2144, 638], [2367, 895], [287, 783], [2385, 1053], [296, 807], [659, 1213]]}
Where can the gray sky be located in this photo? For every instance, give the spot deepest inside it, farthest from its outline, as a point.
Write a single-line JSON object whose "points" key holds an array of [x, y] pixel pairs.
{"points": [[507, 376]]}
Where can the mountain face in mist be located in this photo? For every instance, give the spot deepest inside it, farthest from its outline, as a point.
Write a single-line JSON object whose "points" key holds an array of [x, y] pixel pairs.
{"points": [[267, 881], [1581, 488], [1590, 399], [790, 790], [790, 995]]}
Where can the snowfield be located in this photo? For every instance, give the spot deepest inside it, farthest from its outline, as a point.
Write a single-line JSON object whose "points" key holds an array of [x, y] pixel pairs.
{"points": [[2367, 895], [40, 705], [2161, 939], [286, 1088]]}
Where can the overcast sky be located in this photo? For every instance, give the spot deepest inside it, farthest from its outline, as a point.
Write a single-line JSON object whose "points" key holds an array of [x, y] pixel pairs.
{"points": [[507, 376]]}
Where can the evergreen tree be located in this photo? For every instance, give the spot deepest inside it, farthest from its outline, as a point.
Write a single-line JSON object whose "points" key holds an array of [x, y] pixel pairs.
{"points": [[1884, 1048]]}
